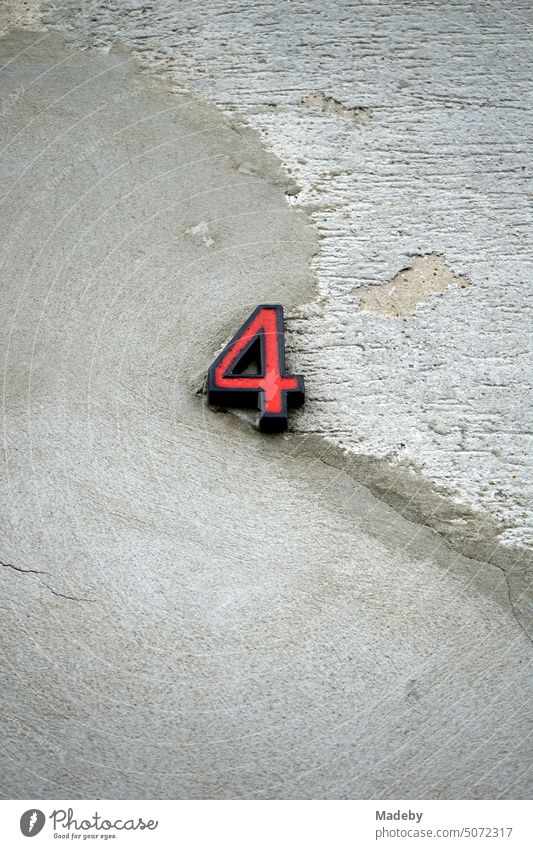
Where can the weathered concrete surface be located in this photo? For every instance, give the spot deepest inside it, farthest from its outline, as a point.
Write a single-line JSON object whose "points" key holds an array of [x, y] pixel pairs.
{"points": [[189, 608], [407, 127]]}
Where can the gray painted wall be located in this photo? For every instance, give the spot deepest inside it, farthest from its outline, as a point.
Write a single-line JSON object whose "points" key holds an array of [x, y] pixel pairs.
{"points": [[192, 609]]}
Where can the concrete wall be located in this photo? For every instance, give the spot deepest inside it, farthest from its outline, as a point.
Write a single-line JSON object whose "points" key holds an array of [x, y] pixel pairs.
{"points": [[194, 609]]}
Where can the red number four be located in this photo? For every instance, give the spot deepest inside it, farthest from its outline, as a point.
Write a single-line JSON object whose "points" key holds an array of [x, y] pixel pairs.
{"points": [[230, 384]]}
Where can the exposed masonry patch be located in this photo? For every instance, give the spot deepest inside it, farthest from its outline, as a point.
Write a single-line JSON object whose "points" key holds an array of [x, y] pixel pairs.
{"points": [[330, 106], [425, 277]]}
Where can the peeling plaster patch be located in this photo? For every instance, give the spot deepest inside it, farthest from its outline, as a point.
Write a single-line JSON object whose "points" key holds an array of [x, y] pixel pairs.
{"points": [[425, 277], [201, 234], [330, 106], [247, 168]]}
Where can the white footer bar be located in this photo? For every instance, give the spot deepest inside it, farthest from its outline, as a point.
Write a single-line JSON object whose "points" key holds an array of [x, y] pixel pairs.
{"points": [[267, 824]]}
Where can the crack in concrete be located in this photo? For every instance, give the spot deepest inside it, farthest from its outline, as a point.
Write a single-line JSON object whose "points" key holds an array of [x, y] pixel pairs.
{"points": [[41, 572], [512, 604], [68, 597], [20, 569]]}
